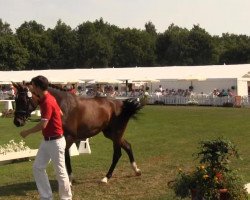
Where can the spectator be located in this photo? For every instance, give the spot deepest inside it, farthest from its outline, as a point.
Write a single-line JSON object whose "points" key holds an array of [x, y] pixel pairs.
{"points": [[160, 88], [12, 92]]}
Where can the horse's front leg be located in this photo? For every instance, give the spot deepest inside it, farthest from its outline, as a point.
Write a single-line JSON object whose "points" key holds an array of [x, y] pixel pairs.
{"points": [[116, 156]]}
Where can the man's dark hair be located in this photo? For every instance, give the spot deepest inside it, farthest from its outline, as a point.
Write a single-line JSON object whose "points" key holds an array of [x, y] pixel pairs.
{"points": [[41, 82]]}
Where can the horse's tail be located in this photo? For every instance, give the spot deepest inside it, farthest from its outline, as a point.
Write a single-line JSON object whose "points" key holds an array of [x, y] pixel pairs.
{"points": [[131, 107]]}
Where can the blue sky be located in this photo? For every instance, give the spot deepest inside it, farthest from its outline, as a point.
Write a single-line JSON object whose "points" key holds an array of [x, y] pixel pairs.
{"points": [[215, 16]]}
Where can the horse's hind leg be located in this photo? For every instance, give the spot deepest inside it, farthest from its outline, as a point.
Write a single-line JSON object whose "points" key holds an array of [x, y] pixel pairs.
{"points": [[68, 160], [127, 147], [116, 156]]}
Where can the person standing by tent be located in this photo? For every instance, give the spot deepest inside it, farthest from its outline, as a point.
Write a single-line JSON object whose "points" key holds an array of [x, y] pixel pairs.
{"points": [[160, 88], [53, 145]]}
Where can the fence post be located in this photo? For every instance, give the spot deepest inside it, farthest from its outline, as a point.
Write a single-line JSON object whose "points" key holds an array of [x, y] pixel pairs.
{"points": [[237, 101]]}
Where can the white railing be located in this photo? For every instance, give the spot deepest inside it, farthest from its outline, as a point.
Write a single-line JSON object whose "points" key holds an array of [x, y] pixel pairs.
{"points": [[4, 96], [200, 100]]}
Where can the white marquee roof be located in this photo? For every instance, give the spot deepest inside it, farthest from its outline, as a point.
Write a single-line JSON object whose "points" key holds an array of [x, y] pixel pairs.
{"points": [[136, 73]]}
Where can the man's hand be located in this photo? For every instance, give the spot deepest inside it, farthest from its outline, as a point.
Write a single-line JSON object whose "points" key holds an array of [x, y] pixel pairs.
{"points": [[41, 125], [24, 133]]}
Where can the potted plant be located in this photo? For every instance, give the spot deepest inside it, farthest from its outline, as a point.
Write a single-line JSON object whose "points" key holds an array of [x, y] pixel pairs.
{"points": [[213, 179]]}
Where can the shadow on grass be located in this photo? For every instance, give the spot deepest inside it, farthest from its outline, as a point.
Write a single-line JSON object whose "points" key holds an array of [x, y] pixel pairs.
{"points": [[21, 189]]}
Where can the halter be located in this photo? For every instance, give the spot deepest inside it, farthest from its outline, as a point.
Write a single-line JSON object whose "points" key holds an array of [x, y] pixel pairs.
{"points": [[28, 100]]}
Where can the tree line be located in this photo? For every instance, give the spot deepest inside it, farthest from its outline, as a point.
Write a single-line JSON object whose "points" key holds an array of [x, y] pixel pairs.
{"points": [[98, 44]]}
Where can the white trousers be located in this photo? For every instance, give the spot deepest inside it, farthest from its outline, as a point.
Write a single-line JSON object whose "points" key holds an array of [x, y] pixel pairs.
{"points": [[53, 150]]}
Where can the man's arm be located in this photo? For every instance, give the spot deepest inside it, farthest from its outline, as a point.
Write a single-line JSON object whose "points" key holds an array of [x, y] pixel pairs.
{"points": [[41, 125]]}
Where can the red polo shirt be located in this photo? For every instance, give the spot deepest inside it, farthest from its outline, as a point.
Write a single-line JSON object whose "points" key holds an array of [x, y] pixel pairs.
{"points": [[51, 111]]}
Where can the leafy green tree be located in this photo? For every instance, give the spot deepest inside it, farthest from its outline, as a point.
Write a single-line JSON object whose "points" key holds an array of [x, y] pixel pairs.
{"points": [[62, 43], [13, 56], [218, 49], [134, 48], [150, 28], [235, 49], [200, 47], [99, 44], [172, 46], [32, 36], [95, 44], [5, 28]]}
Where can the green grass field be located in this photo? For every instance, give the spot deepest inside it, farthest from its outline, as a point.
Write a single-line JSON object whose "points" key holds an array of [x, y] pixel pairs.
{"points": [[163, 139]]}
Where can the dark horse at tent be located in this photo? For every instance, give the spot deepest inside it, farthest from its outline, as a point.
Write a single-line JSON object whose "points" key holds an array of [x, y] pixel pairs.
{"points": [[84, 118]]}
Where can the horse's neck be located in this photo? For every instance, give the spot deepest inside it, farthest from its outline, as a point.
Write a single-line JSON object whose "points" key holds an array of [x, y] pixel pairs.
{"points": [[65, 100], [57, 94]]}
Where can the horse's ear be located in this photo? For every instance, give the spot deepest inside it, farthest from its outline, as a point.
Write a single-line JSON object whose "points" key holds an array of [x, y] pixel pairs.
{"points": [[26, 83], [16, 85]]}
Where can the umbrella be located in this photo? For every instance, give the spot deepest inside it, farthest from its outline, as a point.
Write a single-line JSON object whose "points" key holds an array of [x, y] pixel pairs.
{"points": [[192, 77], [85, 81], [126, 80], [146, 80], [107, 81], [246, 75]]}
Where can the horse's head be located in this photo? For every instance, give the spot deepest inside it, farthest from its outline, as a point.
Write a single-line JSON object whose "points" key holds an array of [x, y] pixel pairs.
{"points": [[25, 101]]}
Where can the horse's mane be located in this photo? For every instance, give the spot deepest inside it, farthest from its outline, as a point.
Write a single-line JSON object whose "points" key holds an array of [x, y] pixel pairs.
{"points": [[50, 85], [60, 93], [66, 100], [58, 88]]}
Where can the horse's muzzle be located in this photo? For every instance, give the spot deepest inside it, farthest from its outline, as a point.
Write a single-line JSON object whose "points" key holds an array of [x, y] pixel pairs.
{"points": [[19, 122]]}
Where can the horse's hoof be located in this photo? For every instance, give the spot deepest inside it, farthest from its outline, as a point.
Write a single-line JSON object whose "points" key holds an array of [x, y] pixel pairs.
{"points": [[71, 177], [104, 180], [71, 180], [138, 172]]}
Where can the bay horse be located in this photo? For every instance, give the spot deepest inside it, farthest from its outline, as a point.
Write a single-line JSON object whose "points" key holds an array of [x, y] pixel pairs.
{"points": [[84, 117]]}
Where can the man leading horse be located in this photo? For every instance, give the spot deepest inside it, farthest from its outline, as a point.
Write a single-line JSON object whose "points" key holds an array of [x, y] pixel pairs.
{"points": [[84, 118], [54, 144]]}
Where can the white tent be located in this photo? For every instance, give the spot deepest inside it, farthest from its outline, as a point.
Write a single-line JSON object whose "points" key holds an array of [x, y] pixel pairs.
{"points": [[215, 76]]}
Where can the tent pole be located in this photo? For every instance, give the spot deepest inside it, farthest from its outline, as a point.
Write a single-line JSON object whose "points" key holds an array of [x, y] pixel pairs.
{"points": [[126, 87]]}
